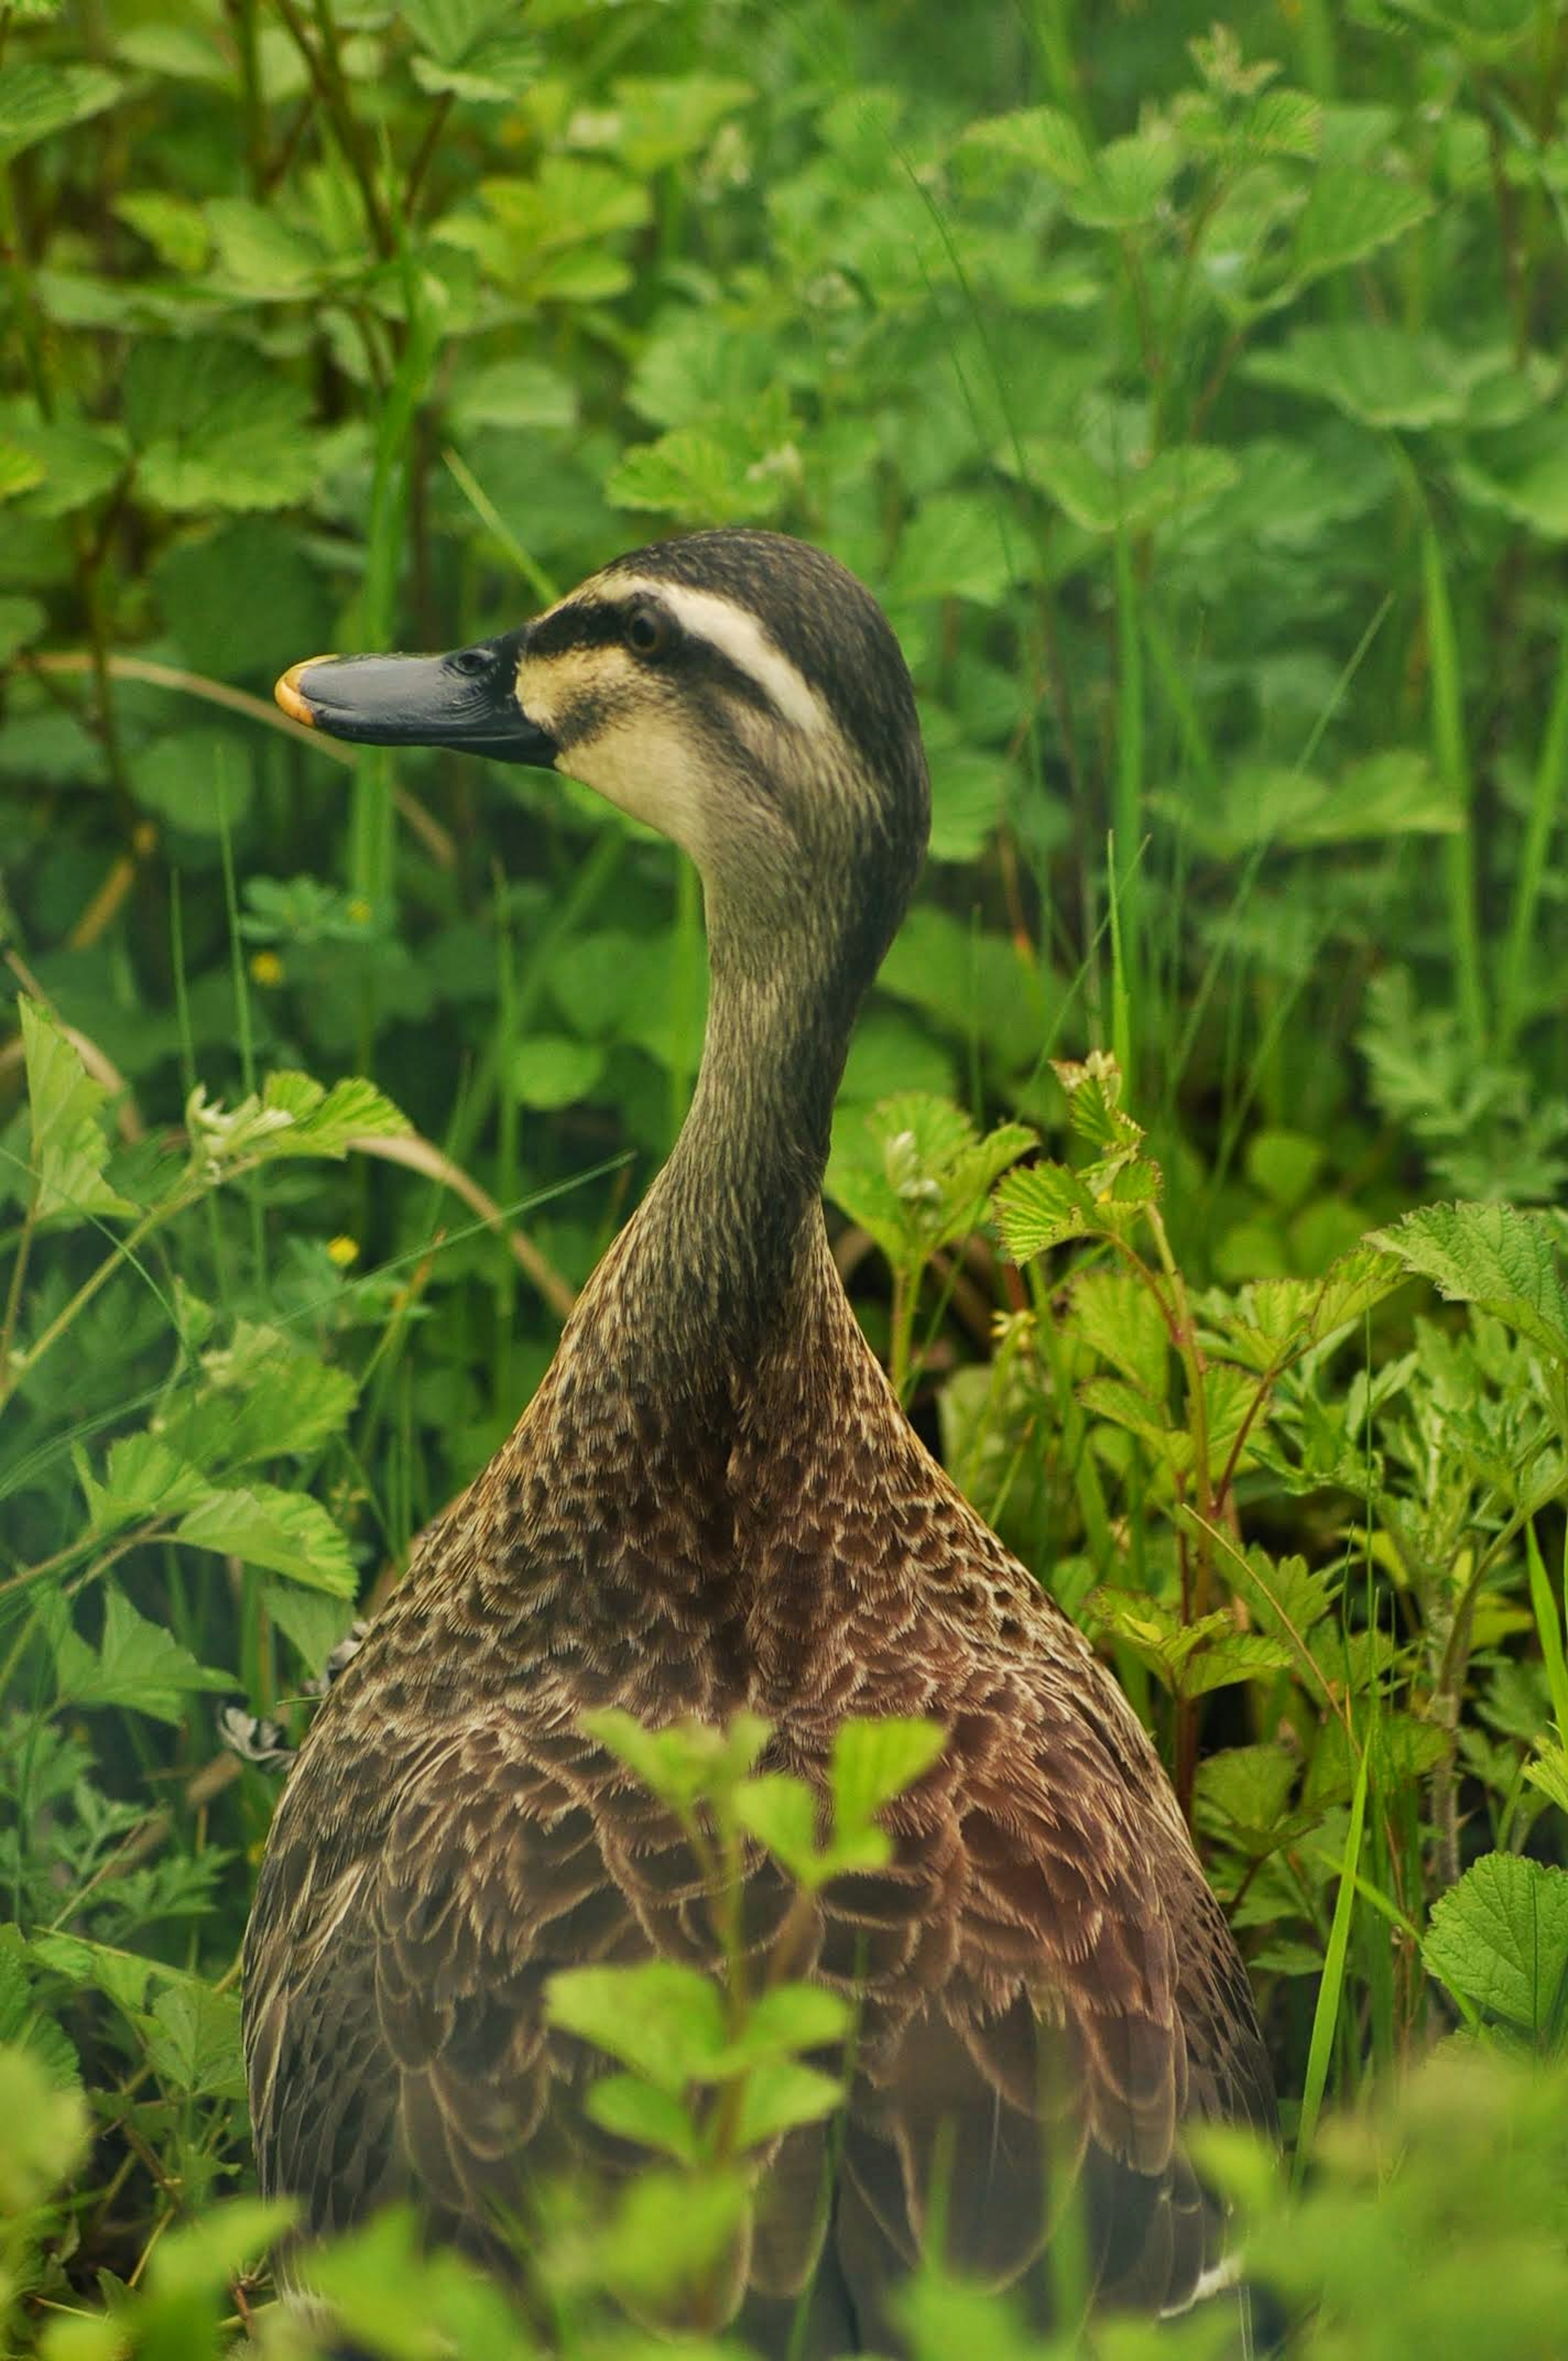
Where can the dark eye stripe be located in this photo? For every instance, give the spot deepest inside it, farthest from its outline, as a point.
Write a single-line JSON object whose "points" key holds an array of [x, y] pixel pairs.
{"points": [[602, 624]]}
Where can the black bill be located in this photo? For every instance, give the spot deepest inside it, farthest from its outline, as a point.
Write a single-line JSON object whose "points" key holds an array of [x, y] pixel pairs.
{"points": [[467, 701]]}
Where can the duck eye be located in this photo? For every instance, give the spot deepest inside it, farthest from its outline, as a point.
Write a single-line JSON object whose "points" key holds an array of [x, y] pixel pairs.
{"points": [[647, 632]]}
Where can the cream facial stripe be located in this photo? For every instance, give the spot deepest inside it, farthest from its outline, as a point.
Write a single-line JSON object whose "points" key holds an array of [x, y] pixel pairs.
{"points": [[737, 635]]}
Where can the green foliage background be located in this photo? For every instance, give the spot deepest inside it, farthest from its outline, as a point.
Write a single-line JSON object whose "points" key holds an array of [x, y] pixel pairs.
{"points": [[1192, 394]]}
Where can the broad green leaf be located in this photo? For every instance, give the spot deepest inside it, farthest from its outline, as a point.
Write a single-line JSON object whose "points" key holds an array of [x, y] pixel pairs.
{"points": [[635, 2110], [200, 780], [47, 2134], [284, 1532], [175, 227], [671, 2231], [20, 470], [69, 1147], [551, 1071], [703, 477], [784, 1814], [1506, 1259], [957, 546], [1349, 213], [499, 70], [143, 1477], [448, 29], [788, 2019], [1043, 137], [663, 2020], [206, 2256], [916, 1174], [515, 393], [70, 464], [216, 428], [193, 2041], [38, 101], [778, 2094], [122, 1976], [1152, 487], [261, 1396], [1500, 1940], [688, 1761], [1043, 1207], [662, 119], [1382, 376], [873, 1761], [1115, 1312], [1127, 179], [1230, 1657], [137, 1664], [22, 620], [264, 255]]}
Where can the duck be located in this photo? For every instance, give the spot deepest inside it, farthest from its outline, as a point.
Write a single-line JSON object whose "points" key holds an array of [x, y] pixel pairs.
{"points": [[714, 1503]]}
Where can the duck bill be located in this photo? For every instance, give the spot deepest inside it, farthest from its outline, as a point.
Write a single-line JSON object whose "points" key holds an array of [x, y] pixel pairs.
{"points": [[467, 701]]}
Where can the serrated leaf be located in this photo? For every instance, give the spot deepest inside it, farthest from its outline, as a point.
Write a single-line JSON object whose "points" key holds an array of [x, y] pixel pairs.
{"points": [[121, 1976], [1230, 1657], [1500, 1940], [1500, 1257], [327, 1122], [663, 2020], [1177, 483], [515, 393], [69, 1148], [216, 428], [1043, 137], [914, 1173], [1115, 1313], [496, 72], [69, 464], [699, 475], [1381, 376], [1349, 214], [193, 2041], [36, 101], [137, 1664], [1127, 179], [262, 255], [447, 29], [283, 1531], [261, 1396], [1042, 1207], [143, 1477]]}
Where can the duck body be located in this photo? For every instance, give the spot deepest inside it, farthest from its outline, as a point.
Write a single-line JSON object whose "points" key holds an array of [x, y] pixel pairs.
{"points": [[714, 1501]]}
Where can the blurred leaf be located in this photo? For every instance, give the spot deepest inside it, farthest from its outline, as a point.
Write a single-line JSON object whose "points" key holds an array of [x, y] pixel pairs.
{"points": [[1382, 376], [664, 2020], [1349, 214], [38, 101], [873, 1761], [215, 428]]}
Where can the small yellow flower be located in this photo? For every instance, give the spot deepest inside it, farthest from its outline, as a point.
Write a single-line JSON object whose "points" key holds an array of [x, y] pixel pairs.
{"points": [[360, 911], [265, 968], [342, 1251]]}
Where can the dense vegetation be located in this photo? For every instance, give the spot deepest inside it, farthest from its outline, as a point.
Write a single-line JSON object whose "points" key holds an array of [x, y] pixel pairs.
{"points": [[1192, 396]]}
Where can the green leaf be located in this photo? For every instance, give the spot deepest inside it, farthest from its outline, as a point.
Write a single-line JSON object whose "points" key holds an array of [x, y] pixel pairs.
{"points": [[914, 1173], [69, 464], [653, 2118], [216, 428], [1041, 1208], [956, 545], [687, 1763], [787, 2019], [873, 1761], [264, 256], [204, 2257], [283, 1531], [143, 1479], [22, 620], [1150, 489], [551, 1071], [663, 2020], [137, 1664], [1117, 1316], [784, 1814], [262, 1396], [173, 227], [1506, 1259], [778, 2094], [671, 2231], [1043, 137], [193, 2041], [47, 2134], [1381, 376], [38, 101], [515, 393], [662, 119], [694, 473], [69, 1145], [200, 780], [1500, 1940], [1349, 214]]}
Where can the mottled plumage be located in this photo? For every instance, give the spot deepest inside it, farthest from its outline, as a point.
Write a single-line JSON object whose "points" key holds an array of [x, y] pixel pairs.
{"points": [[715, 1502]]}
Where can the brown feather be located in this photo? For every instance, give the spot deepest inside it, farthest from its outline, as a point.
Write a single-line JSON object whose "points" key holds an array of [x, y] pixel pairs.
{"points": [[714, 1501]]}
